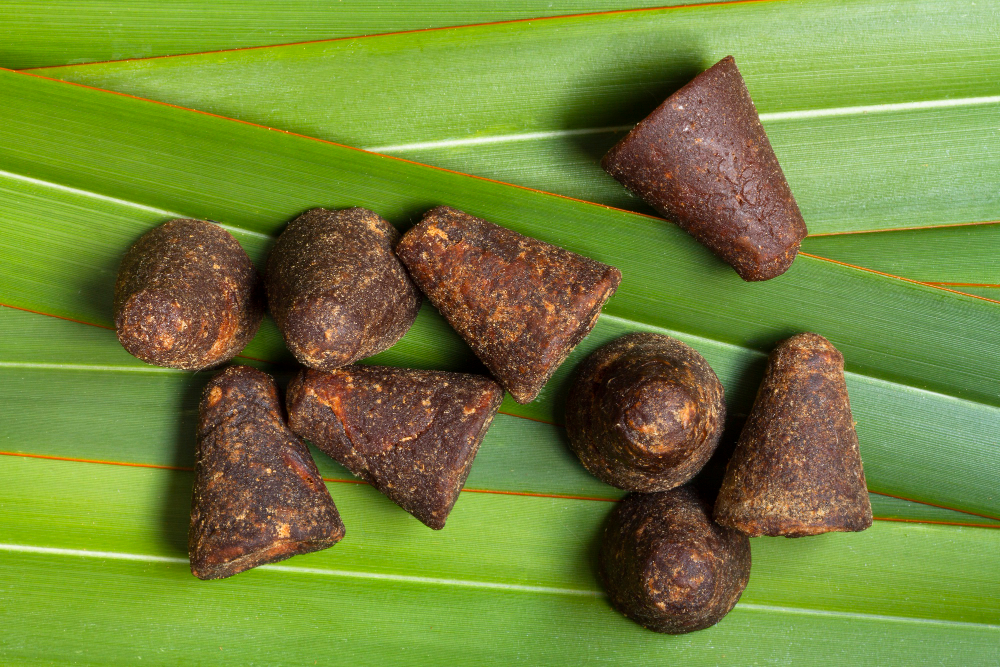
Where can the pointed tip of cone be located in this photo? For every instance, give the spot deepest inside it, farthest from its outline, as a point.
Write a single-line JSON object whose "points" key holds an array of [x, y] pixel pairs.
{"points": [[797, 467], [521, 304], [741, 206], [258, 496], [411, 434], [645, 412]]}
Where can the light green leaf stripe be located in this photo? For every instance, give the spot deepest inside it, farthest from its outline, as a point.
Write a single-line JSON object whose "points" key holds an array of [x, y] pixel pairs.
{"points": [[511, 576]]}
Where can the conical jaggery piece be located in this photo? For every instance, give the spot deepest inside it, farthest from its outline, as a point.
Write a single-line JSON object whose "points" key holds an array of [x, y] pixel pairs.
{"points": [[645, 412], [411, 434], [521, 304], [336, 289], [703, 160], [187, 296], [667, 567], [258, 496], [797, 468]]}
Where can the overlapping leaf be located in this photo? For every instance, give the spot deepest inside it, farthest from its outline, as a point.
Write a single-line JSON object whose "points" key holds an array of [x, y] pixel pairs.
{"points": [[100, 549], [895, 130]]}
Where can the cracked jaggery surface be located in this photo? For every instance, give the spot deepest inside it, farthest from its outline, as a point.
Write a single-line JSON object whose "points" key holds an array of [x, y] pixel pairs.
{"points": [[187, 296], [667, 566], [521, 304], [702, 159], [336, 289], [797, 468], [258, 496], [411, 434], [645, 412]]}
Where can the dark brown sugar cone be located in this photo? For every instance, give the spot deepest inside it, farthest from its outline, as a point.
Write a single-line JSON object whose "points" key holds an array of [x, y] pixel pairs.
{"points": [[521, 304], [667, 566], [411, 434], [258, 496], [645, 412], [187, 296], [703, 160], [336, 289], [797, 468]]}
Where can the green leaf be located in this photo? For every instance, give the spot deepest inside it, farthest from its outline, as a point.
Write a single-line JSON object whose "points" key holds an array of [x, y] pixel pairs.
{"points": [[84, 366], [36, 33], [509, 576], [93, 568], [957, 257], [895, 131], [918, 358]]}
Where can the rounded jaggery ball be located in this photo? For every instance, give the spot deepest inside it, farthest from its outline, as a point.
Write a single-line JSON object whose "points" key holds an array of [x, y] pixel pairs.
{"points": [[187, 296], [667, 566], [336, 289], [645, 412]]}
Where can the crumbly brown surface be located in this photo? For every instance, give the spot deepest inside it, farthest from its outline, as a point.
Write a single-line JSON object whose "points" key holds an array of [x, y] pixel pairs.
{"points": [[336, 289], [521, 304], [645, 412], [666, 566], [187, 296], [258, 496], [797, 467], [411, 434], [703, 160]]}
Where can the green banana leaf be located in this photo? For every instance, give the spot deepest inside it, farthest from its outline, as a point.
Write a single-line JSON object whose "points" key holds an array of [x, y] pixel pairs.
{"points": [[895, 130], [94, 567]]}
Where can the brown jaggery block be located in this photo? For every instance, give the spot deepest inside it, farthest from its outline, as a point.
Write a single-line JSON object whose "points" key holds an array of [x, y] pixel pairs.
{"points": [[187, 296], [411, 434], [336, 289], [645, 412], [703, 160], [667, 566], [258, 496], [521, 304], [797, 469]]}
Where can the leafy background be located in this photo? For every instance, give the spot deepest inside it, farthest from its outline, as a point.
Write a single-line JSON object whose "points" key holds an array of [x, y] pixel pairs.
{"points": [[885, 117]]}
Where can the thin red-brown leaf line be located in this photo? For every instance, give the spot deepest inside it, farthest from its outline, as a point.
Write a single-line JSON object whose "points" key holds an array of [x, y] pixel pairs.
{"points": [[612, 12], [559, 496]]}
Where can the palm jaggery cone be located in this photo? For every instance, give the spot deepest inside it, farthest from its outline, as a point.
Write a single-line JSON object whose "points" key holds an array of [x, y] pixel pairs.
{"points": [[703, 160], [187, 296], [667, 567], [258, 496], [336, 289], [412, 434], [645, 412], [521, 304], [797, 468]]}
